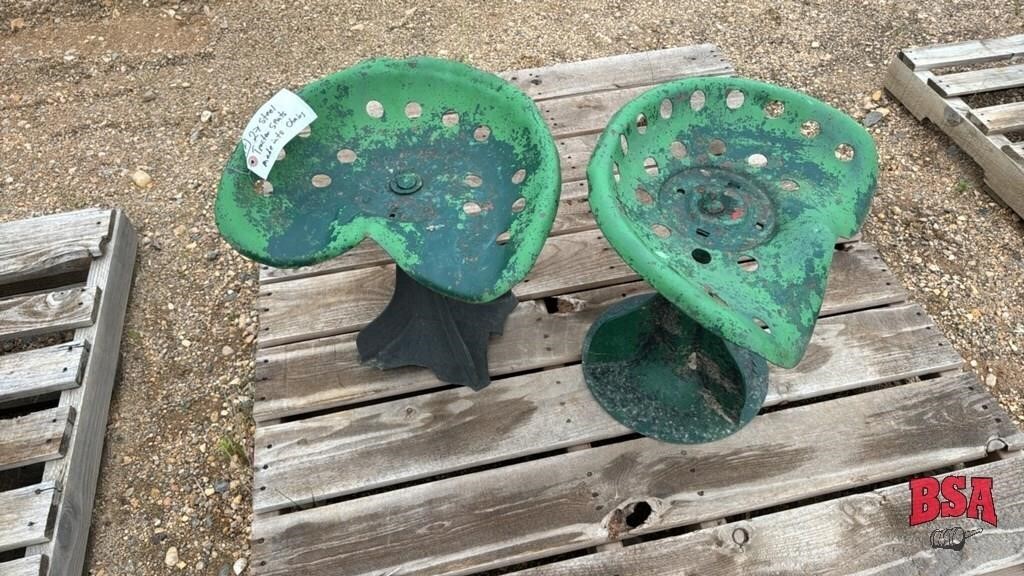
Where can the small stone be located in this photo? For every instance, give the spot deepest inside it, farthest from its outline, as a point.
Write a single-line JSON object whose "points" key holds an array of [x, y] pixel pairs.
{"points": [[227, 351], [148, 96], [16, 24], [221, 486], [225, 570], [206, 116], [876, 95], [213, 255], [142, 179], [209, 491], [186, 343], [815, 44], [990, 380], [171, 557], [239, 566], [357, 27], [872, 118]]}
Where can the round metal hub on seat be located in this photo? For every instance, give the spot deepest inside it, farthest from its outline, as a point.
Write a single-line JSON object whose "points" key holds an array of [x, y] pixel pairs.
{"points": [[727, 195], [720, 208]]}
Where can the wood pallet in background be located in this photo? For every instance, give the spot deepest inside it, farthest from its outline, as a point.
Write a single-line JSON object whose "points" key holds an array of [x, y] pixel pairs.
{"points": [[360, 471], [66, 272], [914, 79]]}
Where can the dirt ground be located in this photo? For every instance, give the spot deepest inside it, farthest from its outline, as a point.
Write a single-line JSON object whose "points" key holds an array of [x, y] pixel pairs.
{"points": [[91, 92]]}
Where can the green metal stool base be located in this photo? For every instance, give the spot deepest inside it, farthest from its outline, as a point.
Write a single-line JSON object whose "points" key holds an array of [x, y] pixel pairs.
{"points": [[421, 327], [658, 372]]}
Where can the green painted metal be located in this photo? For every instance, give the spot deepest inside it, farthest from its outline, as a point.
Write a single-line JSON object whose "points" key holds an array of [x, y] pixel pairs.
{"points": [[450, 169], [727, 195], [663, 375], [742, 178]]}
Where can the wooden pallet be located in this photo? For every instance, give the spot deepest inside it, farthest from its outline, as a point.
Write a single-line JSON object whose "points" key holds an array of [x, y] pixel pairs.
{"points": [[914, 79], [369, 472], [60, 273]]}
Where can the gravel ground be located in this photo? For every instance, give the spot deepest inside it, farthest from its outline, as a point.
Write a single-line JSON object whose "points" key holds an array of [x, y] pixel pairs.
{"points": [[93, 92]]}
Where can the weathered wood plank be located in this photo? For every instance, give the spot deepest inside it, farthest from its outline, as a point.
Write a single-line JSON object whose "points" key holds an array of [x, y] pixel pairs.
{"points": [[1003, 174], [999, 119], [77, 472], [323, 373], [51, 245], [26, 316], [622, 71], [26, 515], [859, 534], [384, 444], [578, 500], [345, 301], [963, 53], [977, 81], [35, 437], [41, 371], [30, 566], [573, 216]]}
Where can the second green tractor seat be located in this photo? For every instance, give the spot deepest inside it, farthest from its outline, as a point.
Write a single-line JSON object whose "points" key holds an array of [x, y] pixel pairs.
{"points": [[449, 169], [727, 195]]}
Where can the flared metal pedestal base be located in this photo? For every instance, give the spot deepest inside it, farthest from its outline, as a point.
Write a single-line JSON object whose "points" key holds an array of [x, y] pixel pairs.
{"points": [[658, 372], [421, 327]]}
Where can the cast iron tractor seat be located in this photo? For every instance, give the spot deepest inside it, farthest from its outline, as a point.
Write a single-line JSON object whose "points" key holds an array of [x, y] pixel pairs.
{"points": [[727, 195], [449, 169]]}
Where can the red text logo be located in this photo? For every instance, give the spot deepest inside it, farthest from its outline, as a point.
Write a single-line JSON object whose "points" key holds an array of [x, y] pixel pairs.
{"points": [[930, 499]]}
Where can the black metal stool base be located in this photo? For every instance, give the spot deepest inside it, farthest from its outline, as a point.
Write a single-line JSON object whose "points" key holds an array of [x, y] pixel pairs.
{"points": [[421, 327]]}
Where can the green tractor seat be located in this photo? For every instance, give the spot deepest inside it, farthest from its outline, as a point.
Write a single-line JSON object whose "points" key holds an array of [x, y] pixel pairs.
{"points": [[449, 169], [727, 195]]}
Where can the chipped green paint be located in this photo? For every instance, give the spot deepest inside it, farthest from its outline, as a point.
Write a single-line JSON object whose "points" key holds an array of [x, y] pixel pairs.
{"points": [[733, 185], [664, 376], [434, 190]]}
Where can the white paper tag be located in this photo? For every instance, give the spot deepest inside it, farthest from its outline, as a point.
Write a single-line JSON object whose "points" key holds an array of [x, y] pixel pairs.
{"points": [[273, 126]]}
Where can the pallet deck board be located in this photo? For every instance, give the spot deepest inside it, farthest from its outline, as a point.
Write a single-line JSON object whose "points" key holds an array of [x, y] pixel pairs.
{"points": [[619, 71], [31, 250], [42, 371], [964, 53], [513, 514], [346, 301], [913, 78], [862, 533], [394, 442], [35, 437], [366, 471], [27, 316], [25, 515], [978, 81], [999, 119], [323, 373], [29, 566]]}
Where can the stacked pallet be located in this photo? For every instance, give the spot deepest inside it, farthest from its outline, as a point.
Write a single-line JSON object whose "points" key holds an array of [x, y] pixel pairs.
{"points": [[64, 283], [994, 134]]}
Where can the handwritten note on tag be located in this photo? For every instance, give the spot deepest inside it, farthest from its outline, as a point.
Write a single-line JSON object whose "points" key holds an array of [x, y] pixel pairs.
{"points": [[273, 125]]}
